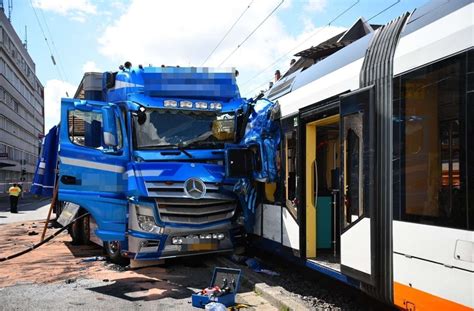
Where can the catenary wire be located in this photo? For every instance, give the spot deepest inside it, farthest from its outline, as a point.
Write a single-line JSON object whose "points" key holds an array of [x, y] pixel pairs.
{"points": [[386, 9], [55, 50], [279, 59], [227, 33], [251, 33], [48, 45]]}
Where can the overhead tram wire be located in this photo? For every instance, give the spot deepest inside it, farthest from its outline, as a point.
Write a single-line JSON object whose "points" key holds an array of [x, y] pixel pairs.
{"points": [[47, 44], [301, 43], [227, 33], [386, 9], [279, 59], [253, 31], [55, 50]]}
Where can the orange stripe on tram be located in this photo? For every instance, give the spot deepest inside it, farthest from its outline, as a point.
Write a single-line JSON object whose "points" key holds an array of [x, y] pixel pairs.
{"points": [[412, 299]]}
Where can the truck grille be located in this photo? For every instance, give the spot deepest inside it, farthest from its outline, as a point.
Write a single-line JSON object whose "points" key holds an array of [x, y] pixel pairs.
{"points": [[177, 207]]}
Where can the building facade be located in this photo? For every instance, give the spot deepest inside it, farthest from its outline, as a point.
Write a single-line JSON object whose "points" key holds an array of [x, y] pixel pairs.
{"points": [[21, 110]]}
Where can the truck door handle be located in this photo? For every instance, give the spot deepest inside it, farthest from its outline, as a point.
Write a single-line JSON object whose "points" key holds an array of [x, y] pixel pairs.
{"points": [[68, 180]]}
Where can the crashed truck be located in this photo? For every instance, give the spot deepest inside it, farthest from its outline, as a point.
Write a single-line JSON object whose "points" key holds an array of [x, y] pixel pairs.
{"points": [[165, 161]]}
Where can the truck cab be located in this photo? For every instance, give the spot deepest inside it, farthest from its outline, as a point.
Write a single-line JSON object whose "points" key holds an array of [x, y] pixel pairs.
{"points": [[144, 152]]}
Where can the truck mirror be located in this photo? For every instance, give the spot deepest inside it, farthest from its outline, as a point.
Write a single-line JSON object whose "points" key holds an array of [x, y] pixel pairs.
{"points": [[110, 79], [109, 127]]}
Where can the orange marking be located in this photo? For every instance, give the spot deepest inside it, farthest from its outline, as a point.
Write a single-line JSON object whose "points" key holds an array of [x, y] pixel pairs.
{"points": [[412, 299]]}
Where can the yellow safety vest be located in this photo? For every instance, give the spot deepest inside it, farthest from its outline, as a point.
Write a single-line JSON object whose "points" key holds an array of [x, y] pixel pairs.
{"points": [[14, 191]]}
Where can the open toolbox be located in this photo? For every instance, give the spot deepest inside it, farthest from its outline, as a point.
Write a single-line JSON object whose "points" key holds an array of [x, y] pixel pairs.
{"points": [[224, 285]]}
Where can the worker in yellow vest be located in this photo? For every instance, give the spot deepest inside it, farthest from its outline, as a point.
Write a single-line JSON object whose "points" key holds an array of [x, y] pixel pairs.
{"points": [[14, 193]]}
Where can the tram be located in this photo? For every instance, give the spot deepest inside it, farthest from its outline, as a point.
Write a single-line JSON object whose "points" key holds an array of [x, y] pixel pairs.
{"points": [[377, 160]]}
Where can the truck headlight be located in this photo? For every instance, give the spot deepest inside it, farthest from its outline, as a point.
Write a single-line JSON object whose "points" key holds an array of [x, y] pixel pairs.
{"points": [[185, 104], [147, 223], [201, 105], [170, 103], [177, 240], [217, 106]]}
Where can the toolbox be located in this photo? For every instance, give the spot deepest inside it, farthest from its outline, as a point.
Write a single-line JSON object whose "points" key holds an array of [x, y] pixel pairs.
{"points": [[223, 278]]}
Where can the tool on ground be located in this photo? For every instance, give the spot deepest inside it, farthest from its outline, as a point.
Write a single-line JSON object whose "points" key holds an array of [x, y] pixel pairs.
{"points": [[223, 288]]}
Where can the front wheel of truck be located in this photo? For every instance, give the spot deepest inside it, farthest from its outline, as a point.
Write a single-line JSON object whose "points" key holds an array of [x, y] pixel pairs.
{"points": [[113, 251], [80, 230]]}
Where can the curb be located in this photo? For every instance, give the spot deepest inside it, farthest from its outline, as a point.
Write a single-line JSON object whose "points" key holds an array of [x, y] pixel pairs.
{"points": [[279, 297]]}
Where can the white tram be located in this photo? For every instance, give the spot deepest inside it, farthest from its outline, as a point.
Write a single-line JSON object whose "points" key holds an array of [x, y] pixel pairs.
{"points": [[377, 160]]}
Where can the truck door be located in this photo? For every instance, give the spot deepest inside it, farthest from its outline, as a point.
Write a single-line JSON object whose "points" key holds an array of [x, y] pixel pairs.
{"points": [[93, 155], [357, 132]]}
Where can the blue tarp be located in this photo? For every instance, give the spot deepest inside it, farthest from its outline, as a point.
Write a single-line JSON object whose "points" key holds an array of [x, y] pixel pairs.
{"points": [[45, 173]]}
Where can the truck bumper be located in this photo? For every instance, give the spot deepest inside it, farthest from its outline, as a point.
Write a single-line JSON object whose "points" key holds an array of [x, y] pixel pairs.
{"points": [[145, 246]]}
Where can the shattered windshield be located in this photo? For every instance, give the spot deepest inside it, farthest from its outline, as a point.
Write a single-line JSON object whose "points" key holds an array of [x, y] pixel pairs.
{"points": [[169, 128]]}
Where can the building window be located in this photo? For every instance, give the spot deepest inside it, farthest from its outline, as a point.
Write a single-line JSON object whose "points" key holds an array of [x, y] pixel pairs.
{"points": [[430, 149]]}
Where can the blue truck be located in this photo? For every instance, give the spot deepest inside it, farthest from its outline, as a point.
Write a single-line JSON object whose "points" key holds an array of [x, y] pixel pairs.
{"points": [[162, 158]]}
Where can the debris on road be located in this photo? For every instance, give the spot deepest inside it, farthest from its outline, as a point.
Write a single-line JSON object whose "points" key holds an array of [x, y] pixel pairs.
{"points": [[94, 258]]}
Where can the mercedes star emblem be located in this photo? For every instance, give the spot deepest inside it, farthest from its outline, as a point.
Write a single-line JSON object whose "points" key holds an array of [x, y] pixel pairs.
{"points": [[195, 188]]}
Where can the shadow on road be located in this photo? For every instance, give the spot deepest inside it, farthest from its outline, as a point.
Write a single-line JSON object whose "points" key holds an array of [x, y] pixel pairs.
{"points": [[27, 203], [143, 289], [83, 251]]}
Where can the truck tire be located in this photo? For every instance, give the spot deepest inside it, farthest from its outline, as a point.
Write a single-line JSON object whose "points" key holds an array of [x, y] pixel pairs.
{"points": [[113, 250], [80, 230]]}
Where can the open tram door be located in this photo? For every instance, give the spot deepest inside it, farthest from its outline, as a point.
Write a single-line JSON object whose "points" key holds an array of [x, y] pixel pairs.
{"points": [[357, 184]]}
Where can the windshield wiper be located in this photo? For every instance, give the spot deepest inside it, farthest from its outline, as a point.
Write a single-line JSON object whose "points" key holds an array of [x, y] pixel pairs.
{"points": [[179, 146], [204, 143]]}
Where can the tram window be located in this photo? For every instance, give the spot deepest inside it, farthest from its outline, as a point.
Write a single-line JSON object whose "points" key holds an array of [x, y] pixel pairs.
{"points": [[353, 164], [290, 169], [433, 145]]}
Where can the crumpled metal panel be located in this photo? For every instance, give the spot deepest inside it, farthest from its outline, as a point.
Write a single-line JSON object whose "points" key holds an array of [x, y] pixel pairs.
{"points": [[263, 130]]}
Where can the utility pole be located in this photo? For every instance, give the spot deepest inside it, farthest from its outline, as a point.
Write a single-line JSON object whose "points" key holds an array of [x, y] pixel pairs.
{"points": [[25, 43], [10, 8]]}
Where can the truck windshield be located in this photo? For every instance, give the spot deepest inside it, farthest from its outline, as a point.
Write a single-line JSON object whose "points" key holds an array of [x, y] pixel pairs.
{"points": [[172, 128]]}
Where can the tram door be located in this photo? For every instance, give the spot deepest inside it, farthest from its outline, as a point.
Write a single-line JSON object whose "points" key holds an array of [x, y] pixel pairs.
{"points": [[357, 132], [322, 170]]}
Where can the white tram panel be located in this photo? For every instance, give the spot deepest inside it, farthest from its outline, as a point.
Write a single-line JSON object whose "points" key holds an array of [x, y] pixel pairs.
{"points": [[272, 222], [433, 243], [355, 247], [291, 231], [449, 283], [453, 33], [336, 82]]}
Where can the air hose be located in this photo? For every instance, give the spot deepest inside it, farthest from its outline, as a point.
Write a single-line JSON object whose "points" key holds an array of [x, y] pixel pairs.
{"points": [[42, 242]]}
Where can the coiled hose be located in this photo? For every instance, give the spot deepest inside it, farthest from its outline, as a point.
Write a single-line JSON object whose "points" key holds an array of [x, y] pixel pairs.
{"points": [[42, 242]]}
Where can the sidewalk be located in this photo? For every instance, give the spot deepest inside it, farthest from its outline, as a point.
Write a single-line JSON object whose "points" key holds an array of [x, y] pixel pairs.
{"points": [[29, 208]]}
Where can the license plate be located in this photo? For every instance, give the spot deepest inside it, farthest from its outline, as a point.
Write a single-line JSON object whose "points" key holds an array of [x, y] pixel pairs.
{"points": [[202, 247]]}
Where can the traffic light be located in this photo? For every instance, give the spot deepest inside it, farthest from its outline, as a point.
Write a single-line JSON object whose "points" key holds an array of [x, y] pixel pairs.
{"points": [[23, 172]]}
